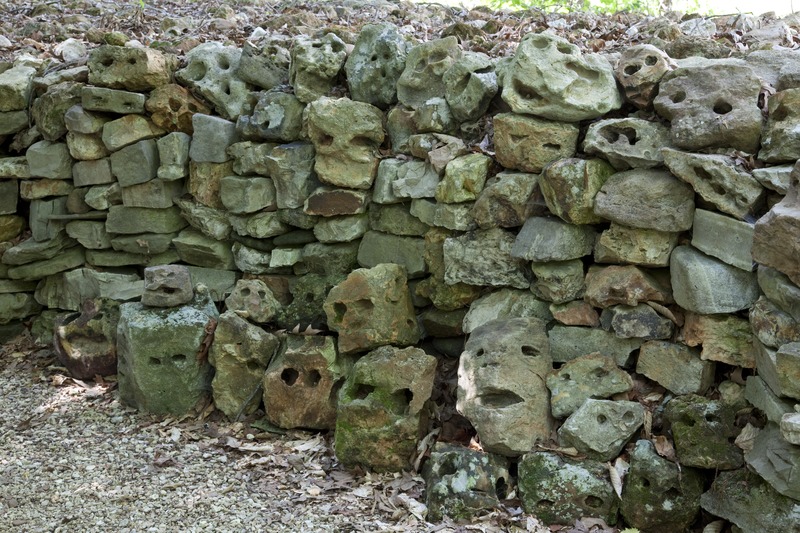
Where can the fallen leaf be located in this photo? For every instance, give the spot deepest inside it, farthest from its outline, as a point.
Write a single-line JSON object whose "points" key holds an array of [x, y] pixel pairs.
{"points": [[664, 447], [747, 437]]}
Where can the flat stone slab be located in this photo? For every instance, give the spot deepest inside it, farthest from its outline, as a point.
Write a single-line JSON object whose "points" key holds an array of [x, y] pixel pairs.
{"points": [[725, 238]]}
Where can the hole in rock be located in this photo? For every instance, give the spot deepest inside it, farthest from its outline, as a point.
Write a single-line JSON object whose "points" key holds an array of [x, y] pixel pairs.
{"points": [[480, 352], [530, 351], [131, 60], [363, 390], [339, 309], [702, 173], [710, 417], [672, 494], [501, 488], [526, 92], [168, 290], [599, 372], [262, 294], [780, 113], [499, 399], [313, 378], [565, 376], [722, 107], [107, 62], [253, 366], [448, 468], [191, 107], [461, 86], [179, 358], [174, 104], [325, 140], [614, 135], [198, 71], [289, 376], [154, 361], [223, 62], [602, 419], [630, 70], [374, 57], [333, 397], [650, 60], [678, 97], [628, 417], [245, 292], [310, 297], [583, 72], [564, 49], [226, 88], [551, 146], [645, 482], [593, 501], [545, 503]]}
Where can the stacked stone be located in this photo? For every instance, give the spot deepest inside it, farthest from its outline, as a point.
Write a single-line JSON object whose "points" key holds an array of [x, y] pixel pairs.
{"points": [[591, 292]]}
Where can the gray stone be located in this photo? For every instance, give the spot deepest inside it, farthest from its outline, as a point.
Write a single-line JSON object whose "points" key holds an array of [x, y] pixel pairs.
{"points": [[577, 313], [415, 179], [16, 85], [724, 338], [711, 104], [16, 306], [71, 258], [78, 120], [780, 290], [342, 228], [508, 200], [456, 217], [88, 173], [790, 428], [211, 71], [400, 126], [315, 64], [133, 220], [68, 290], [9, 195], [676, 367], [501, 388], [703, 431], [291, 167], [775, 460], [722, 237], [220, 283], [173, 155], [111, 100], [423, 76], [628, 142], [128, 130], [249, 158], [644, 247], [329, 259], [558, 282], [143, 243], [212, 222], [718, 180], [777, 178], [705, 285], [568, 343], [14, 167], [31, 250], [86, 147], [559, 491], [504, 304], [600, 428], [162, 359], [570, 185], [779, 143], [277, 117], [659, 495], [470, 84], [639, 69], [434, 116], [484, 257], [647, 199], [250, 260], [196, 249], [49, 160], [211, 139], [590, 376], [42, 227], [90, 234], [377, 247], [131, 68], [13, 121], [8, 286], [247, 194], [544, 239], [761, 396], [382, 192], [109, 258], [155, 194], [137, 163], [172, 106], [464, 178], [640, 321], [48, 109], [781, 225], [375, 64], [38, 189], [85, 342], [396, 219], [549, 77], [265, 66], [461, 482], [261, 225], [529, 143], [253, 300], [167, 286], [102, 197]]}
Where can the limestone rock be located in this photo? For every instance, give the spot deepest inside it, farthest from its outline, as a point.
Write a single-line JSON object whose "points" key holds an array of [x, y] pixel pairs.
{"points": [[779, 143], [415, 179], [775, 460], [504, 304], [132, 69], [601, 428], [780, 290], [377, 248], [568, 343], [676, 367], [640, 321], [16, 85], [777, 178], [639, 69], [590, 376], [133, 220], [724, 338], [763, 398], [722, 237], [136, 163], [780, 225], [315, 64], [577, 313], [128, 130], [570, 185], [626, 285], [484, 257], [558, 281], [277, 117], [529, 143], [86, 342], [211, 138], [88, 173], [544, 239], [196, 249], [549, 77], [703, 431], [628, 142], [172, 107], [470, 84], [111, 100], [266, 65], [375, 64], [423, 76], [167, 286], [291, 167], [790, 428], [48, 109], [508, 199], [16, 306], [72, 258], [643, 247], [457, 217], [464, 178], [445, 296], [49, 160], [69, 289], [91, 234]]}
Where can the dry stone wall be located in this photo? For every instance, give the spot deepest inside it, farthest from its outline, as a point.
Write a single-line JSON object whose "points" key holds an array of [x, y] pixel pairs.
{"points": [[608, 245]]}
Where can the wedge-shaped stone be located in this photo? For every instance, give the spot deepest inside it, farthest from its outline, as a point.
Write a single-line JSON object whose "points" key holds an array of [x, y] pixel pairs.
{"points": [[676, 367], [128, 130], [601, 428], [196, 249], [484, 257], [568, 343], [780, 225], [763, 398], [775, 460], [640, 321], [68, 290], [112, 101], [725, 238], [49, 160], [173, 155], [628, 142], [703, 431], [590, 376], [86, 147], [528, 143], [71, 258]]}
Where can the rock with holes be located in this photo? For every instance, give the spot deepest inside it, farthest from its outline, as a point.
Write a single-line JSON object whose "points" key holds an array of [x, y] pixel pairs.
{"points": [[167, 286], [505, 304], [724, 338], [718, 180], [570, 185], [558, 490], [162, 355], [172, 107], [627, 142], [501, 385], [706, 285], [315, 65], [346, 137], [776, 460], [647, 199], [253, 300], [529, 143], [423, 76], [291, 167], [267, 65], [211, 71], [676, 367], [375, 64], [484, 257], [590, 376], [508, 199], [86, 342], [308, 294], [780, 225], [130, 68], [640, 321], [544, 239], [240, 354], [372, 307], [601, 428], [703, 431], [277, 117], [381, 414], [549, 77], [712, 104], [302, 383], [780, 143], [111, 100], [638, 71], [461, 482], [470, 84], [658, 494]]}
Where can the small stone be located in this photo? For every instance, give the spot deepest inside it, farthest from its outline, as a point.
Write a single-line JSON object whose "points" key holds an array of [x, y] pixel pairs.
{"points": [[780, 225], [508, 200], [167, 286], [253, 300], [590, 376], [776, 178], [415, 179], [90, 234], [156, 194], [396, 219], [38, 189], [775, 460], [676, 367], [88, 173], [72, 258], [247, 194], [291, 167], [277, 117], [640, 321]]}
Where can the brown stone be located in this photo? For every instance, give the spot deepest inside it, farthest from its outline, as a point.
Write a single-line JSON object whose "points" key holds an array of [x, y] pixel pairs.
{"points": [[331, 202], [772, 326], [86, 342], [725, 338], [171, 107], [575, 313], [627, 285], [204, 182]]}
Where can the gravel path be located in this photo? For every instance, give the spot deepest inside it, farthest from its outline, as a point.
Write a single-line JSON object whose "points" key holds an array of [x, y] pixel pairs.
{"points": [[73, 459]]}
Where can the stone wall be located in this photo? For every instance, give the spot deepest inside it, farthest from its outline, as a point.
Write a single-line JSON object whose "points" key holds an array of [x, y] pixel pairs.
{"points": [[607, 245]]}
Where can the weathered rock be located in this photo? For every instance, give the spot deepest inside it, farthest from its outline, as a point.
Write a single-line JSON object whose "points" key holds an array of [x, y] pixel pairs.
{"points": [[640, 321], [779, 143], [132, 69], [111, 258], [204, 182], [400, 126], [253, 300], [590, 376], [484, 257], [676, 367], [577, 313], [13, 122], [724, 338], [315, 64], [456, 217], [211, 71], [38, 189], [705, 285], [49, 160], [88, 173], [658, 495], [501, 384], [211, 138], [644, 247], [328, 202], [91, 234], [172, 107], [136, 163], [133, 220], [763, 398], [600, 428], [508, 199], [423, 76], [162, 358], [16, 85], [445, 296], [464, 178], [48, 109], [86, 147], [277, 117], [558, 282], [16, 306], [111, 100], [711, 104], [703, 431], [568, 343], [261, 225], [14, 167], [722, 237], [549, 77], [85, 342], [167, 286], [470, 84], [78, 120], [213, 223], [291, 167], [195, 248], [544, 239], [570, 185], [780, 290], [220, 283], [69, 259], [396, 219], [626, 285], [380, 417], [777, 178], [302, 383], [247, 194], [647, 199], [156, 194], [775, 460], [528, 143], [377, 248], [790, 428], [461, 482], [266, 66], [341, 228], [68, 290], [504, 304], [42, 226], [375, 64], [560, 491], [372, 307], [627, 142], [718, 180], [415, 179], [638, 71], [780, 225], [102, 197], [240, 354]]}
